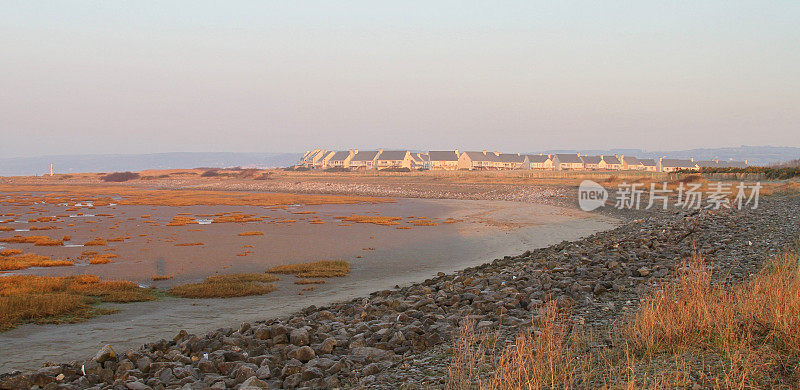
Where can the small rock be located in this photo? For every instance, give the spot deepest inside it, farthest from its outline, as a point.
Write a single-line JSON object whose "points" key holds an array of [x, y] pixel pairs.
{"points": [[299, 337], [305, 353], [104, 354], [253, 383]]}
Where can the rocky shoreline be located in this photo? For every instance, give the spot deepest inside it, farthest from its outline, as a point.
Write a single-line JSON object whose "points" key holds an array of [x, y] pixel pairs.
{"points": [[400, 338]]}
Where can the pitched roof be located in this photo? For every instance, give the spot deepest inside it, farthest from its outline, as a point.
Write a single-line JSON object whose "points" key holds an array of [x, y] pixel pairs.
{"points": [[440, 155], [630, 160], [569, 158], [511, 158], [733, 164], [591, 159], [648, 162], [611, 160], [420, 157], [393, 155], [708, 164], [340, 156], [314, 154], [538, 158], [677, 163], [480, 156], [365, 155]]}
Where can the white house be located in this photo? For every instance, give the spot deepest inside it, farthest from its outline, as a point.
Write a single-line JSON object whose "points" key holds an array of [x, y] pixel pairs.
{"points": [[420, 161], [393, 159], [340, 159], [540, 161], [568, 162], [443, 160], [674, 164], [476, 160], [364, 159]]}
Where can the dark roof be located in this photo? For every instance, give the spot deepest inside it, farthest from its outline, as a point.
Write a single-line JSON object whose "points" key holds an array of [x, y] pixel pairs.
{"points": [[393, 155], [510, 158], [722, 164], [611, 160], [538, 158], [365, 155], [592, 159], [569, 158], [708, 164], [733, 164], [340, 156], [440, 155], [677, 163], [648, 162], [630, 160], [480, 156], [420, 157]]}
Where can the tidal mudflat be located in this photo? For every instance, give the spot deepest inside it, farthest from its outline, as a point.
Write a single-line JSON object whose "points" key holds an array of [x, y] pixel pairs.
{"points": [[425, 236]]}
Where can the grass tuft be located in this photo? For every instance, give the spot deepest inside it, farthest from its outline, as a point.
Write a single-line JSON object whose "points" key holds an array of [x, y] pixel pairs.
{"points": [[47, 299], [316, 269], [227, 286], [251, 233], [19, 261]]}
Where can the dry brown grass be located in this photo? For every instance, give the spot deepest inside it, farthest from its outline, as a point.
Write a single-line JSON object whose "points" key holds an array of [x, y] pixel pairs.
{"points": [[44, 299], [21, 261], [180, 220], [226, 286], [237, 218], [102, 259], [95, 242], [35, 228], [18, 239], [690, 330], [101, 195], [10, 252], [316, 269], [6, 229], [424, 223], [753, 326], [190, 244], [162, 277], [251, 233], [374, 219], [784, 188], [541, 357]]}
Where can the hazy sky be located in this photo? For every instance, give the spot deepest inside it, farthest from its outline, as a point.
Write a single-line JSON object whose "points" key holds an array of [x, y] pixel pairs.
{"points": [[155, 76]]}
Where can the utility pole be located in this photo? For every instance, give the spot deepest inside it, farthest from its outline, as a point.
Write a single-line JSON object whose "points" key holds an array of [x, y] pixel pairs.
{"points": [[51, 169]]}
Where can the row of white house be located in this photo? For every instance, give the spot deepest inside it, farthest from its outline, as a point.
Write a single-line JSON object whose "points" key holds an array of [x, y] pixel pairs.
{"points": [[452, 160]]}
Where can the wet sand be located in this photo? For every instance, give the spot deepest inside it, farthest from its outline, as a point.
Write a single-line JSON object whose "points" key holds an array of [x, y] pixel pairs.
{"points": [[486, 230]]}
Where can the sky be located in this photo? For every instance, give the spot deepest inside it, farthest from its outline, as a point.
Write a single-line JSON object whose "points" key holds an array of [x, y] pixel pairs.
{"points": [[85, 77]]}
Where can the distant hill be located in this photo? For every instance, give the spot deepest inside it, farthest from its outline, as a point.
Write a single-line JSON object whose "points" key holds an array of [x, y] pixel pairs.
{"points": [[755, 155], [25, 166]]}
